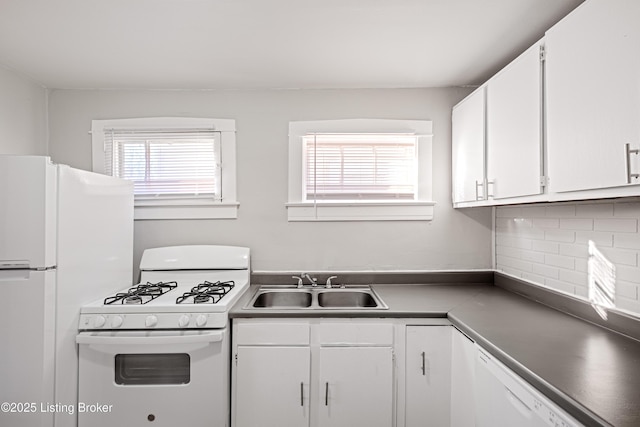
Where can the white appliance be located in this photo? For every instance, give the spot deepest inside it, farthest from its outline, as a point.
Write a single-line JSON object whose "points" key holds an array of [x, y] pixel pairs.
{"points": [[504, 400], [159, 352], [66, 236]]}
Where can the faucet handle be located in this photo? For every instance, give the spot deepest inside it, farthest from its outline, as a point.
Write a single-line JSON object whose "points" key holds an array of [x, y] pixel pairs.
{"points": [[299, 280], [328, 285]]}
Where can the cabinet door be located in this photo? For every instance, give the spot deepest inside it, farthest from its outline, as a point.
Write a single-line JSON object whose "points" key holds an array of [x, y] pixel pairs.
{"points": [[514, 128], [355, 387], [593, 96], [272, 386], [428, 376], [468, 164], [463, 360]]}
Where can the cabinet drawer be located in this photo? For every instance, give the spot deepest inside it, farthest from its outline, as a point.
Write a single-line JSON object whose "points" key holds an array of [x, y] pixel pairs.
{"points": [[289, 333], [340, 333]]}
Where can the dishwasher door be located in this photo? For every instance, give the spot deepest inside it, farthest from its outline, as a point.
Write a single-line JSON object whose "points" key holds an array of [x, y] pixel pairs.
{"points": [[501, 398]]}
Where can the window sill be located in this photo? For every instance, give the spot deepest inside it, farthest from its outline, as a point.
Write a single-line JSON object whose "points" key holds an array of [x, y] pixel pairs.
{"points": [[145, 211], [360, 211]]}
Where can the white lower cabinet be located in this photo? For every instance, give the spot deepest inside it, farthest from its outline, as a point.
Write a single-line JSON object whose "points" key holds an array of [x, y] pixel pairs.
{"points": [[272, 382], [355, 387], [428, 375], [463, 373], [312, 373]]}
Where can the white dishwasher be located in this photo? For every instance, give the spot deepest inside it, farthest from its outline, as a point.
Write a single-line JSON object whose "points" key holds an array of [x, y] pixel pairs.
{"points": [[506, 400]]}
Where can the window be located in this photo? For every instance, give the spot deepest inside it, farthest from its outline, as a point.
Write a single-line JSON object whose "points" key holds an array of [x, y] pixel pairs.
{"points": [[180, 167], [360, 170]]}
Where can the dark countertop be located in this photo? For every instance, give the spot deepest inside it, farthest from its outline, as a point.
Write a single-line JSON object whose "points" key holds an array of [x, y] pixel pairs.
{"points": [[591, 372]]}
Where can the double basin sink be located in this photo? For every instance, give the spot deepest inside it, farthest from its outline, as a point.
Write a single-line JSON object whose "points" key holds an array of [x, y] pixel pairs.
{"points": [[353, 297]]}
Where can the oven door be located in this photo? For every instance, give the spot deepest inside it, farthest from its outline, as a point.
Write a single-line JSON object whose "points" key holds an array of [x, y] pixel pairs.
{"points": [[153, 378]]}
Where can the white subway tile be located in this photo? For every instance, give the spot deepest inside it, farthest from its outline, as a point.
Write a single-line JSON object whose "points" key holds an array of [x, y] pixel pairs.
{"points": [[545, 246], [560, 286], [626, 289], [626, 209], [504, 223], [596, 210], [546, 222], [620, 256], [582, 265], [600, 238], [560, 236], [532, 233], [575, 250], [559, 261], [518, 264], [628, 274], [561, 210], [514, 242], [533, 278], [576, 224], [545, 270], [626, 241], [509, 270], [532, 256], [574, 277], [626, 225], [581, 291], [533, 211], [628, 304], [508, 211]]}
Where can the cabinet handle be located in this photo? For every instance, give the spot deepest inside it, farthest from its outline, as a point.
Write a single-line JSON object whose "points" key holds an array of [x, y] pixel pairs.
{"points": [[424, 366], [301, 394], [478, 196], [628, 153], [326, 394], [492, 184]]}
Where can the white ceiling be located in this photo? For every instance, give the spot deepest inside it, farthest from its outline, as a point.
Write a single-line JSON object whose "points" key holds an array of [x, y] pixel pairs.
{"points": [[256, 44]]}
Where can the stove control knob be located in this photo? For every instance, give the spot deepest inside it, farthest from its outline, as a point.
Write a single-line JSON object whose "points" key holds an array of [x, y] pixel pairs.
{"points": [[151, 321], [201, 320], [116, 322], [99, 321], [183, 320]]}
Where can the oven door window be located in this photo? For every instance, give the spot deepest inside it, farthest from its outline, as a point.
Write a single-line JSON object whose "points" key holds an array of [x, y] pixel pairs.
{"points": [[152, 369]]}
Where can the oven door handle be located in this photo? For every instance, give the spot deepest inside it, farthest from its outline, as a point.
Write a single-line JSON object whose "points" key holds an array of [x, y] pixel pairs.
{"points": [[210, 337]]}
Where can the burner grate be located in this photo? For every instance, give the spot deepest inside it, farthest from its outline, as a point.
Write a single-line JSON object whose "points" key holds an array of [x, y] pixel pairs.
{"points": [[141, 294], [206, 293]]}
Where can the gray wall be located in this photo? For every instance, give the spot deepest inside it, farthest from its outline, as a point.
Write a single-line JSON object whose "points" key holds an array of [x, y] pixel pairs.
{"points": [[453, 240], [23, 115]]}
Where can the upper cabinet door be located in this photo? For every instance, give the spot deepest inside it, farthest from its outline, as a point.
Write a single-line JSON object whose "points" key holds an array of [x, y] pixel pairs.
{"points": [[514, 128], [468, 148], [593, 96]]}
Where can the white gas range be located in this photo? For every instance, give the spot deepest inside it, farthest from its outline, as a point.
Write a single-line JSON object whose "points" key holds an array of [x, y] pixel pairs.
{"points": [[148, 350]]}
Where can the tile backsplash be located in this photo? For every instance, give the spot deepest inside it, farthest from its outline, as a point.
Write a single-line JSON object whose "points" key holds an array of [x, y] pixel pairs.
{"points": [[549, 245]]}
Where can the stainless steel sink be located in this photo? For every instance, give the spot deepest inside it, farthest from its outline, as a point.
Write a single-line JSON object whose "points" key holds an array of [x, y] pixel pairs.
{"points": [[282, 299], [354, 297], [346, 299]]}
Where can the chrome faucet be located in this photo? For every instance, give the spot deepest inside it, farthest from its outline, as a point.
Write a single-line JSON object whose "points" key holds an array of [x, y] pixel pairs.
{"points": [[313, 280], [328, 285]]}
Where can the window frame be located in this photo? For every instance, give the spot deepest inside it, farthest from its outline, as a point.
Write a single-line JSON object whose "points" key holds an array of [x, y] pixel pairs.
{"points": [[181, 207], [388, 210]]}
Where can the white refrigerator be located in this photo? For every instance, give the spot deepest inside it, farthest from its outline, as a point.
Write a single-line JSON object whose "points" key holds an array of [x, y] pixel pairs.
{"points": [[66, 238]]}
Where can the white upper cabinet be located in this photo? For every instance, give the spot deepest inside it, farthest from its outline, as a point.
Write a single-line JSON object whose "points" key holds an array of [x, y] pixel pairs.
{"points": [[468, 129], [593, 97], [514, 128]]}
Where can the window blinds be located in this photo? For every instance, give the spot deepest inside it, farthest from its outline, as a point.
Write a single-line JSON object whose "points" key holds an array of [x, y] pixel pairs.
{"points": [[165, 162], [360, 167]]}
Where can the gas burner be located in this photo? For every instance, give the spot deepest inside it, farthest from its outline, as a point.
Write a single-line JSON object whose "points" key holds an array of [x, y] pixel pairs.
{"points": [[141, 294], [206, 293]]}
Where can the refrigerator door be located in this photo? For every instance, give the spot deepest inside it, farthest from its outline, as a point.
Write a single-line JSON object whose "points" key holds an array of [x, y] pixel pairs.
{"points": [[27, 212], [27, 316], [95, 259]]}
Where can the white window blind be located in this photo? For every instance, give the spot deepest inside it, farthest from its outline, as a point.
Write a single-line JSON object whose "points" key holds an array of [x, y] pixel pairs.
{"points": [[166, 163], [360, 167]]}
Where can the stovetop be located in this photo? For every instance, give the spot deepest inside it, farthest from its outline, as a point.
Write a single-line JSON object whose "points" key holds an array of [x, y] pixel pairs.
{"points": [[169, 300]]}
